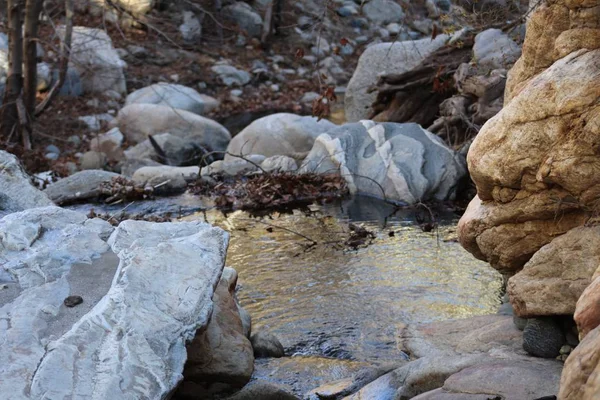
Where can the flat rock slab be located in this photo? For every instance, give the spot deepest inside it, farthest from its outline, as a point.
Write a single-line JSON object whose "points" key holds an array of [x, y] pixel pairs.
{"points": [[80, 186], [146, 289]]}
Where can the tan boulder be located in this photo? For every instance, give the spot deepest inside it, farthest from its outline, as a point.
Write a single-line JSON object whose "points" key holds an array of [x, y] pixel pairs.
{"points": [[580, 380], [587, 312], [556, 276], [220, 359]]}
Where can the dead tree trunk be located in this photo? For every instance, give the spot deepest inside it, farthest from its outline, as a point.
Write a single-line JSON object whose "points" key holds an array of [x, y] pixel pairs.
{"points": [[415, 96], [9, 118], [32, 18], [65, 50]]}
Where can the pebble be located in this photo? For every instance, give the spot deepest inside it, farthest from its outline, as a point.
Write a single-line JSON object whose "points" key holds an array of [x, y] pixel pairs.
{"points": [[73, 301], [52, 149], [274, 87], [74, 140], [236, 92]]}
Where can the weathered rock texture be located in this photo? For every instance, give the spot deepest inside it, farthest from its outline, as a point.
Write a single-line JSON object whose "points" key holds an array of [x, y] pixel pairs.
{"points": [[175, 96], [580, 377], [535, 164], [220, 359], [556, 276], [141, 302], [587, 311], [279, 134], [16, 191], [138, 121], [398, 162], [476, 358]]}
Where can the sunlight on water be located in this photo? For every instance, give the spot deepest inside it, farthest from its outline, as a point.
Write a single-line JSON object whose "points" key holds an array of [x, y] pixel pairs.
{"points": [[351, 304]]}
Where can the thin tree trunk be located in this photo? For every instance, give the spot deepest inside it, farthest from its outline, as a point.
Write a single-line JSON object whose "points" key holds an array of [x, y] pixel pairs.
{"points": [[267, 24], [9, 118], [65, 50], [32, 14]]}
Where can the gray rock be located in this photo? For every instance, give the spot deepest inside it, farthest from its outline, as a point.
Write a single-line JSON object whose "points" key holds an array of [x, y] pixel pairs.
{"points": [[138, 121], [177, 151], [264, 391], [493, 49], [246, 321], [278, 134], [435, 8], [245, 17], [96, 122], [348, 386], [279, 164], [383, 11], [130, 165], [234, 166], [52, 149], [347, 10], [266, 345], [72, 85], [80, 186], [231, 76], [16, 191], [175, 96], [309, 97], [220, 359], [44, 76], [108, 143], [98, 64], [92, 160], [190, 29], [543, 337], [137, 323], [398, 162], [519, 322], [166, 179], [382, 58]]}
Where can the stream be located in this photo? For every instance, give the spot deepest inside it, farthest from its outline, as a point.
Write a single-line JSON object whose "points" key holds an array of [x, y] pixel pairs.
{"points": [[336, 309]]}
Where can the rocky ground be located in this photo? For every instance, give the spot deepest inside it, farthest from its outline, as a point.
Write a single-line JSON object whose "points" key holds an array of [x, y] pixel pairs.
{"points": [[179, 98]]}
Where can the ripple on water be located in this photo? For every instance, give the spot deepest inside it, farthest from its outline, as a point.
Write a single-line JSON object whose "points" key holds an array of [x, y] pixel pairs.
{"points": [[352, 304]]}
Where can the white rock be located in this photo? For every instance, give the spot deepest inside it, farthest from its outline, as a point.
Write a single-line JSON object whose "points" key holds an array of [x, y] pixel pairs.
{"points": [[231, 76], [191, 29], [383, 11], [399, 162], [98, 64], [16, 191], [94, 122], [137, 121], [127, 339], [166, 178], [493, 49], [384, 58], [279, 164], [278, 134], [245, 17], [175, 96]]}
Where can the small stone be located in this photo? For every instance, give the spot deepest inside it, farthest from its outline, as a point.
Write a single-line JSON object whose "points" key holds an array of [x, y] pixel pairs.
{"points": [[347, 10], [92, 160], [236, 92], [361, 39], [174, 77], [543, 337], [266, 345], [566, 349], [52, 149], [274, 87], [51, 156], [360, 23], [394, 28], [73, 301]]}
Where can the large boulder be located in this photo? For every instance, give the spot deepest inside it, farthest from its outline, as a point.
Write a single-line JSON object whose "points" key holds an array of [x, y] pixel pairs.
{"points": [[95, 59], [581, 375], [220, 358], [173, 95], [138, 121], [556, 276], [142, 291], [245, 17], [587, 310], [278, 135], [379, 59], [397, 162], [16, 191], [554, 120]]}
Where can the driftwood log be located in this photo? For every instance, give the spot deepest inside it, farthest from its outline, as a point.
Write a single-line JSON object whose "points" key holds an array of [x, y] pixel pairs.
{"points": [[415, 95], [446, 94]]}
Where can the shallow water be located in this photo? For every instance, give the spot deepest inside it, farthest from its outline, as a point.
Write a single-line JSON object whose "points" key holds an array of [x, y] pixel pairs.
{"points": [[351, 304]]}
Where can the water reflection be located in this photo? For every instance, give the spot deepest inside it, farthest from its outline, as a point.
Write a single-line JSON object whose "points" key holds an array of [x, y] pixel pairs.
{"points": [[352, 304]]}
